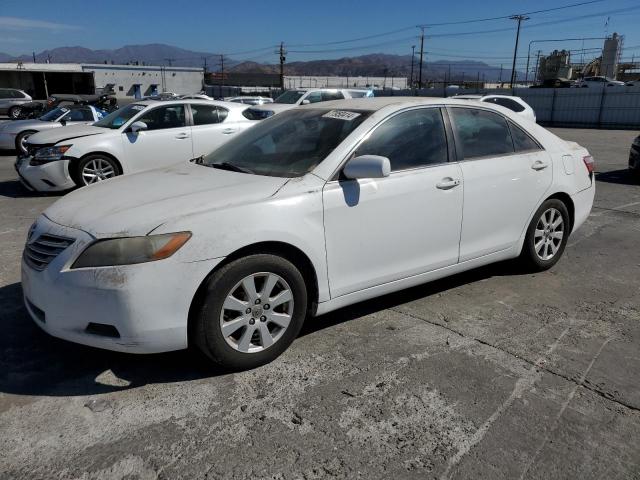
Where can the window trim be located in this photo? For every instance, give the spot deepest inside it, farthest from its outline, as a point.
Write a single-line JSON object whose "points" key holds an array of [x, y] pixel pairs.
{"points": [[484, 157], [336, 176]]}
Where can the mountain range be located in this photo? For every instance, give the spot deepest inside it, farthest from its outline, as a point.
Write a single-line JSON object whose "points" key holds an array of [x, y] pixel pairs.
{"points": [[377, 64]]}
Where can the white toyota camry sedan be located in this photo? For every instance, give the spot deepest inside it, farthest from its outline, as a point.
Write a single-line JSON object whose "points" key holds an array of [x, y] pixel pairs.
{"points": [[309, 211], [140, 136]]}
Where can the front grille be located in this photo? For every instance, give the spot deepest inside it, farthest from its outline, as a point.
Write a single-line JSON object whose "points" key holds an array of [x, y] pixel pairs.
{"points": [[44, 249]]}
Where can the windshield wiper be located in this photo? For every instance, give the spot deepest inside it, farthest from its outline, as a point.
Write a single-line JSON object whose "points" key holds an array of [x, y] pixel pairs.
{"points": [[231, 167]]}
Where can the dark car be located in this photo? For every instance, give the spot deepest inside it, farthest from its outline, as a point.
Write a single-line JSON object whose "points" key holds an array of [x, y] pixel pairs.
{"points": [[634, 157], [106, 102]]}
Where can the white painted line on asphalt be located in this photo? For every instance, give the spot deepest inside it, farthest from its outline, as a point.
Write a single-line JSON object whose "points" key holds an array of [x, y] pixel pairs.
{"points": [[522, 385]]}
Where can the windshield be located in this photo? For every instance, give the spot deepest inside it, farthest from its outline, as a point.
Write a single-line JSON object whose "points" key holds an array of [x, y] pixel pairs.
{"points": [[54, 114], [290, 97], [287, 145], [121, 116]]}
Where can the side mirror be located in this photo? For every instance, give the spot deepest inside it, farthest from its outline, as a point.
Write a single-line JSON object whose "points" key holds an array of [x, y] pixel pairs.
{"points": [[138, 126], [305, 102], [367, 166], [63, 122]]}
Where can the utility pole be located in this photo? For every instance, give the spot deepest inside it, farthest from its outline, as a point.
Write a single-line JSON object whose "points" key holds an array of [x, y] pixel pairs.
{"points": [[519, 19], [34, 57], [204, 64], [413, 56], [500, 77], [170, 61], [221, 74], [282, 53], [421, 54], [535, 74]]}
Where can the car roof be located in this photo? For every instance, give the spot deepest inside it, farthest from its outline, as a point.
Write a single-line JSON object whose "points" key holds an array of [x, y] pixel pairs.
{"points": [[194, 101], [378, 103]]}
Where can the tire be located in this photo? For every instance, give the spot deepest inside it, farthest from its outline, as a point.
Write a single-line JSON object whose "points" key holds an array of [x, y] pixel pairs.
{"points": [[542, 246], [21, 138], [250, 323], [95, 168], [14, 113]]}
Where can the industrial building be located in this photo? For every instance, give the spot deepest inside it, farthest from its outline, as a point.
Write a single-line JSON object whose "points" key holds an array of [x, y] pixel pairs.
{"points": [[126, 81]]}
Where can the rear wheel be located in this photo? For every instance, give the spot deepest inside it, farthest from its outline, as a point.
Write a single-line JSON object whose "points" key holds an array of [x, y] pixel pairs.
{"points": [[21, 141], [14, 112], [252, 310], [95, 168], [546, 236]]}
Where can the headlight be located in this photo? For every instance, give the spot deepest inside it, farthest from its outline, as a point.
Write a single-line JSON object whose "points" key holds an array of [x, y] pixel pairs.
{"points": [[131, 250], [49, 154]]}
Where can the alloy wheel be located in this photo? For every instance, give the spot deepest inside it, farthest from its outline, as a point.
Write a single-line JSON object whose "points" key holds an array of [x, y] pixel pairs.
{"points": [[23, 142], [549, 233], [256, 312], [96, 170]]}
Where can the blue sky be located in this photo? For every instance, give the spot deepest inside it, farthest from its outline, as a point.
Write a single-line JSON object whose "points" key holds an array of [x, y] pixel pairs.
{"points": [[256, 26]]}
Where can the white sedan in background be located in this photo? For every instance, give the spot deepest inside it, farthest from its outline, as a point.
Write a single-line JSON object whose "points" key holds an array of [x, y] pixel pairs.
{"points": [[309, 211], [515, 104], [141, 136]]}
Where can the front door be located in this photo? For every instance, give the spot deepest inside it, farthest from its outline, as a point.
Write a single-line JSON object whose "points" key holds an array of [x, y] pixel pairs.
{"points": [[166, 141], [506, 173], [381, 230]]}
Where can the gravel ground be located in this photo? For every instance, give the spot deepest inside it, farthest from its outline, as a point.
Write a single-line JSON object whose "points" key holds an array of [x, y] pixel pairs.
{"points": [[488, 374]]}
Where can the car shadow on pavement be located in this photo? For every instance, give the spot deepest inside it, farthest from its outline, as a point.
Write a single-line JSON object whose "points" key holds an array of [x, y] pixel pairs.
{"points": [[619, 177], [34, 363]]}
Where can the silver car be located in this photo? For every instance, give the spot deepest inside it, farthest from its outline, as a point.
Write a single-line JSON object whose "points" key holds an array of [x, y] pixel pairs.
{"points": [[13, 135], [10, 101]]}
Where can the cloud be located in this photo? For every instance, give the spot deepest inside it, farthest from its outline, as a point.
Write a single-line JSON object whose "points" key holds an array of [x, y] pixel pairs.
{"points": [[14, 23]]}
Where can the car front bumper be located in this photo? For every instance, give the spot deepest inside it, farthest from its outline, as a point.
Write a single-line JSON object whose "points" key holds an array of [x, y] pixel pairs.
{"points": [[49, 177], [147, 304]]}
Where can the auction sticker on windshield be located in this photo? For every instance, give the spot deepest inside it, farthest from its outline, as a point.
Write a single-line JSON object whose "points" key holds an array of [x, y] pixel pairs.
{"points": [[341, 115]]}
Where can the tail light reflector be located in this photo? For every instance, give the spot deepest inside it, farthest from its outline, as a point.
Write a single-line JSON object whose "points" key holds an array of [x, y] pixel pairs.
{"points": [[589, 163]]}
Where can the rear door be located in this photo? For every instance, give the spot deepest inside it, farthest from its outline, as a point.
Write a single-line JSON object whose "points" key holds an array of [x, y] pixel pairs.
{"points": [[166, 141], [506, 173]]}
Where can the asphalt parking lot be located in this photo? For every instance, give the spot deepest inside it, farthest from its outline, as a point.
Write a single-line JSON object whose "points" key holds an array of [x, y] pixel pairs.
{"points": [[489, 374]]}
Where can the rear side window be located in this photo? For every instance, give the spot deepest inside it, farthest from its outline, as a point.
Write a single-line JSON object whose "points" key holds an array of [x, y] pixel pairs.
{"points": [[507, 103], [170, 116], [480, 133], [206, 114], [411, 139], [522, 142]]}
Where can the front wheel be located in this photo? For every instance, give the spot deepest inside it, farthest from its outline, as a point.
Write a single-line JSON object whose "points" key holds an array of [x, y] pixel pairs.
{"points": [[21, 141], [252, 310], [95, 168], [546, 236]]}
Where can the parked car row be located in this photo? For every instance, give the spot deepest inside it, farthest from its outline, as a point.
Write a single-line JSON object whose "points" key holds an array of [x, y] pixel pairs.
{"points": [[316, 208]]}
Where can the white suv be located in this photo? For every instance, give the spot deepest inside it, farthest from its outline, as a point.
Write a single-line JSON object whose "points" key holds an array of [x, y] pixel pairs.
{"points": [[140, 136]]}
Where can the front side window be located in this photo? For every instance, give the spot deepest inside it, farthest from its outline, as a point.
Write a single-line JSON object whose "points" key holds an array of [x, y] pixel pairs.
{"points": [[289, 144], [5, 94], [480, 133], [169, 116], [54, 115], [79, 115], [121, 116], [290, 97], [521, 139], [326, 96], [411, 139], [206, 114], [314, 97]]}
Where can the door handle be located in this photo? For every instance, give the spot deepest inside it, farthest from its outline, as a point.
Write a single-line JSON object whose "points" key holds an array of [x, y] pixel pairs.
{"points": [[539, 165], [182, 136], [448, 183], [229, 131]]}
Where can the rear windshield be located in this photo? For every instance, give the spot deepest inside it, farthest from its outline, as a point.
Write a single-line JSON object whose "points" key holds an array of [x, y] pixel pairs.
{"points": [[289, 144], [290, 97]]}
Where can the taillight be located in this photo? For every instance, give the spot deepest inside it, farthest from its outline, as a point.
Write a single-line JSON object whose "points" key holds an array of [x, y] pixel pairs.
{"points": [[589, 163]]}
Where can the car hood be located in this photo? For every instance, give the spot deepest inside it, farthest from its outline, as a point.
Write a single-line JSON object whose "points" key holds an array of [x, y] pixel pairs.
{"points": [[65, 133], [136, 204]]}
